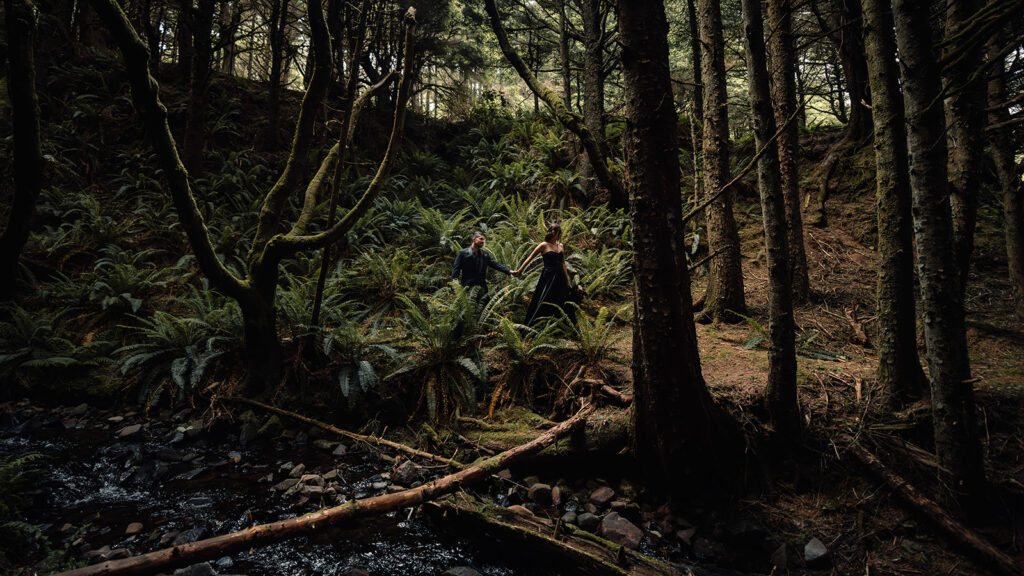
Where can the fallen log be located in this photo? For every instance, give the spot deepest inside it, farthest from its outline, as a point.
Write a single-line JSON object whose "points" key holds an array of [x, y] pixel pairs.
{"points": [[264, 534], [952, 527], [373, 440]]}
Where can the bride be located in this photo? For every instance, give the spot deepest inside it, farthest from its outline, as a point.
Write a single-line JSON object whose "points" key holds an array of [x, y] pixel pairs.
{"points": [[553, 289]]}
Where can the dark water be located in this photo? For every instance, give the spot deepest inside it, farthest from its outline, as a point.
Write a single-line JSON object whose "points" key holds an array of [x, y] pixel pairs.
{"points": [[94, 484]]}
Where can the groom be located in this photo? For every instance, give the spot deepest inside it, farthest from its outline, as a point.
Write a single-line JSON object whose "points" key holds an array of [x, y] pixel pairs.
{"points": [[471, 264]]}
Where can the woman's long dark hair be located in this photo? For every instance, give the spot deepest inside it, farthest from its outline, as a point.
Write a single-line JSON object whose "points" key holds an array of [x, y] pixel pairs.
{"points": [[554, 230]]}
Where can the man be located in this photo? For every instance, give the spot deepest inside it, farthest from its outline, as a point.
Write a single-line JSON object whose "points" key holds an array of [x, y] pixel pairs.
{"points": [[471, 264]]}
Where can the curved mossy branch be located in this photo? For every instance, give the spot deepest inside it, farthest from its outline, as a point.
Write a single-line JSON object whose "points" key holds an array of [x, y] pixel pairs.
{"points": [[561, 111], [146, 95], [273, 204], [332, 162], [285, 245]]}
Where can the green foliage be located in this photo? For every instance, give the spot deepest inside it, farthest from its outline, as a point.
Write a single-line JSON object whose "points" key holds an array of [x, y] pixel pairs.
{"points": [[18, 474], [607, 272], [359, 355], [379, 279], [444, 368], [526, 355], [595, 339], [32, 345], [442, 235]]}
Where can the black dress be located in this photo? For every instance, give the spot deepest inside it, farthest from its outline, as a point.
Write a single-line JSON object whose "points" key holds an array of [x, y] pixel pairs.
{"points": [[552, 292]]}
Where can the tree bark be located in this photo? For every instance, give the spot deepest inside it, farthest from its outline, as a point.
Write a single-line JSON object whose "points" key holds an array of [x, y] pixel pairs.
{"points": [[952, 391], [28, 160], [1010, 183], [695, 63], [725, 279], [783, 76], [899, 367], [965, 118], [265, 534], [780, 394], [278, 22], [675, 423], [183, 38], [593, 79]]}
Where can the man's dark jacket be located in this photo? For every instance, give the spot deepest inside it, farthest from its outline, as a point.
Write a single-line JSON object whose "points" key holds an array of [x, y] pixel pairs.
{"points": [[472, 266]]}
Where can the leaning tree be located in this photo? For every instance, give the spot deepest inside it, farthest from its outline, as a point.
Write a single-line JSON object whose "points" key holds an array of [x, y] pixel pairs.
{"points": [[273, 241]]}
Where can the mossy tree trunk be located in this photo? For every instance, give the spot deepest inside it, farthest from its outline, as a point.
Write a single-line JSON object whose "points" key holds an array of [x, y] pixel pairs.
{"points": [[255, 292], [278, 22], [675, 423], [780, 394], [899, 367], [594, 37], [952, 391], [725, 278], [20, 19], [783, 86]]}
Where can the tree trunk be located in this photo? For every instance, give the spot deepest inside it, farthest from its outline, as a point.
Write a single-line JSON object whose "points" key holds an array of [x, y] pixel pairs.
{"points": [[725, 279], [783, 76], [593, 80], [1010, 183], [899, 368], [780, 394], [952, 390], [851, 54], [674, 419], [183, 38], [965, 118], [278, 21], [695, 60], [192, 147], [264, 359], [28, 161]]}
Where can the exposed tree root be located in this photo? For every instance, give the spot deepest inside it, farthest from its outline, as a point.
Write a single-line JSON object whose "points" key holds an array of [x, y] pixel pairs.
{"points": [[953, 528], [264, 534]]}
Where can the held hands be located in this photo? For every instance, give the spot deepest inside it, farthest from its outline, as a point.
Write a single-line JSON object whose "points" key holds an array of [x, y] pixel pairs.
{"points": [[516, 273]]}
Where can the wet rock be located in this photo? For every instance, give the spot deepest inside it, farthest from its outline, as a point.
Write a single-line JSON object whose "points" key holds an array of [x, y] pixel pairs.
{"points": [[97, 555], [394, 489], [621, 531], [815, 552], [312, 480], [405, 474], [591, 507], [202, 569], [780, 558], [129, 430], [569, 518], [115, 419], [504, 474], [234, 457], [224, 563], [601, 496], [285, 485], [686, 536], [266, 479], [539, 493], [168, 538], [521, 510], [67, 528], [324, 444], [706, 549], [133, 528], [558, 496], [312, 490], [588, 521], [271, 428], [189, 536], [460, 571], [356, 571], [79, 410], [117, 554], [330, 475], [301, 438], [297, 471], [176, 438], [531, 480], [340, 450], [379, 485]]}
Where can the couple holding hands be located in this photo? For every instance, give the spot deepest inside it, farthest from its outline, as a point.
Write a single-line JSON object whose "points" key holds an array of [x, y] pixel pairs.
{"points": [[554, 288]]}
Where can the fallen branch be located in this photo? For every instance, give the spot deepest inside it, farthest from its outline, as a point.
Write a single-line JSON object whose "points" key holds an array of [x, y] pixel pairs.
{"points": [[859, 336], [264, 534], [373, 440], [953, 528]]}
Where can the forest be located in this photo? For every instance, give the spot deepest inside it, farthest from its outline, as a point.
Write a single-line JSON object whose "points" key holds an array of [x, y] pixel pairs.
{"points": [[464, 287]]}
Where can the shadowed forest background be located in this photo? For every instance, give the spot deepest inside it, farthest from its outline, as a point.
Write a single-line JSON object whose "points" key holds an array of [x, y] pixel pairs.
{"points": [[227, 247]]}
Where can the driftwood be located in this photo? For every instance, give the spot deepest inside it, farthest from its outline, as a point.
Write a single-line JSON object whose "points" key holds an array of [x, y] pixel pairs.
{"points": [[264, 534], [952, 527], [373, 440]]}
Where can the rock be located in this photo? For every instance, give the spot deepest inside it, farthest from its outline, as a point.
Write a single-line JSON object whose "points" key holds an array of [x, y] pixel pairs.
{"points": [[628, 510], [234, 457], [330, 474], [340, 450], [686, 536], [117, 554], [312, 490], [394, 489], [405, 474], [168, 538], [602, 496], [747, 532], [356, 571], [115, 419], [67, 528], [271, 428], [815, 552], [540, 493], [133, 528], [311, 480], [621, 531], [588, 521], [297, 471], [129, 430], [569, 518], [531, 480], [379, 485], [176, 438], [460, 571], [224, 563], [591, 507], [301, 438], [521, 510], [97, 555], [248, 433], [324, 444], [189, 536], [780, 558], [558, 496], [285, 484], [705, 549], [79, 410], [202, 569], [504, 474]]}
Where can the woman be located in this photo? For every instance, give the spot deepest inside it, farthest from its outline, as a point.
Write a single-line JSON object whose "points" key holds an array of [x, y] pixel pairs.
{"points": [[553, 289]]}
